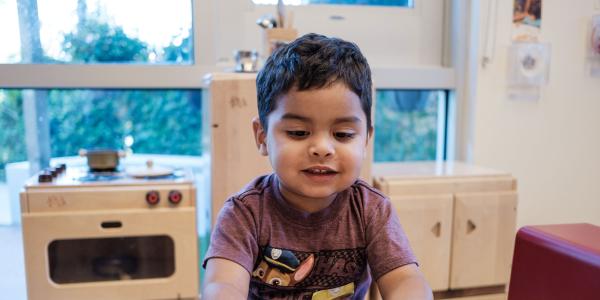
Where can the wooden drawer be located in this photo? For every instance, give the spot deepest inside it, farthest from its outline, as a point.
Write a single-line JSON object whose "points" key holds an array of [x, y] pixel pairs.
{"points": [[435, 186]]}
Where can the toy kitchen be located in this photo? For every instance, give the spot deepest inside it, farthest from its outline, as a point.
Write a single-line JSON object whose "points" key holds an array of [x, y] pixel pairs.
{"points": [[107, 232]]}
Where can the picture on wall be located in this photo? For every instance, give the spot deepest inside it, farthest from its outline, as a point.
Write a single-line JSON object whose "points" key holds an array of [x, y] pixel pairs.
{"points": [[527, 20], [528, 69]]}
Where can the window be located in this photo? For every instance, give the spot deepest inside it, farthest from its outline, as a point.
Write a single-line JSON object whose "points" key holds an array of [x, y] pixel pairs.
{"points": [[410, 125], [402, 3], [145, 121], [96, 31]]}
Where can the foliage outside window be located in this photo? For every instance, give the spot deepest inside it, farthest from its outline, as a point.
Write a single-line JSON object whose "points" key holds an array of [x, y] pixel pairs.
{"points": [[406, 125], [104, 31], [12, 130], [150, 121]]}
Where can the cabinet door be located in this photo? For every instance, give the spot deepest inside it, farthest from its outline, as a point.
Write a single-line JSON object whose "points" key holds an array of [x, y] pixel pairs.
{"points": [[427, 220], [483, 239]]}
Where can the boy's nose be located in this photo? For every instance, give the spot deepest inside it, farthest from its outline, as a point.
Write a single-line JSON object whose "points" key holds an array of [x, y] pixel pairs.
{"points": [[321, 147]]}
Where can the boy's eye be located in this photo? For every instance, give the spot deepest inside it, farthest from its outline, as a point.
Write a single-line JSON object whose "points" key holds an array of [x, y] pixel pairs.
{"points": [[344, 135], [297, 133]]}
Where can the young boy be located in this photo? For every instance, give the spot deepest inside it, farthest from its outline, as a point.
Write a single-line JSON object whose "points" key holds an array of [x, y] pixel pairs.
{"points": [[311, 230]]}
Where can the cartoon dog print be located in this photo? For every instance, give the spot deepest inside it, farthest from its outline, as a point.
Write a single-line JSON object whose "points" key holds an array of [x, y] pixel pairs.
{"points": [[282, 268]]}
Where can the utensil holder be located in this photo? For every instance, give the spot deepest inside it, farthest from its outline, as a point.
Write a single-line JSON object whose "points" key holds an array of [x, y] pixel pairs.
{"points": [[274, 37]]}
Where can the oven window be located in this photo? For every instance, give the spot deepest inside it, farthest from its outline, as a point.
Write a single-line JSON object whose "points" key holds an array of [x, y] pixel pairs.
{"points": [[111, 259]]}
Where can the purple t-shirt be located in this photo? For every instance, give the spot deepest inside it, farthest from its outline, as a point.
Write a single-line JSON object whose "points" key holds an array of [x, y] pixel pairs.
{"points": [[292, 254]]}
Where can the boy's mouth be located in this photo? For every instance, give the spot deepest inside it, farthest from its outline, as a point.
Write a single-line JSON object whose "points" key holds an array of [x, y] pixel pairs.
{"points": [[319, 170]]}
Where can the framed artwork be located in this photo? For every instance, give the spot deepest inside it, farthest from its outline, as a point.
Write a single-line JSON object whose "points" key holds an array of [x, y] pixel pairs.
{"points": [[528, 69]]}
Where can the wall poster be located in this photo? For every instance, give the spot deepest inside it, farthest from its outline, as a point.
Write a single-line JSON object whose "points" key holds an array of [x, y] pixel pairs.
{"points": [[528, 70], [527, 20]]}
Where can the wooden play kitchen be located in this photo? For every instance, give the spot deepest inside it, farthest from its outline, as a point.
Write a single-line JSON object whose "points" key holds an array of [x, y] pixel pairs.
{"points": [[106, 234]]}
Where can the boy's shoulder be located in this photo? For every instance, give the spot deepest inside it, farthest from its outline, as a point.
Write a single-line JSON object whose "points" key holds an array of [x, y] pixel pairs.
{"points": [[368, 192], [254, 188]]}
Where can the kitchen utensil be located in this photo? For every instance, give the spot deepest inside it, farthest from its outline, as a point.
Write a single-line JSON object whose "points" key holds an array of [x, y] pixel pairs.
{"points": [[281, 13]]}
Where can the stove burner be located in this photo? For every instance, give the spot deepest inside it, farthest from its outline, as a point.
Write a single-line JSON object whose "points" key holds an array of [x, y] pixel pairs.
{"points": [[105, 170], [170, 176], [101, 176], [92, 176]]}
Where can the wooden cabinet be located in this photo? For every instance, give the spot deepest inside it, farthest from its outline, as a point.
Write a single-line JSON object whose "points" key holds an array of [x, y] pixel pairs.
{"points": [[459, 218]]}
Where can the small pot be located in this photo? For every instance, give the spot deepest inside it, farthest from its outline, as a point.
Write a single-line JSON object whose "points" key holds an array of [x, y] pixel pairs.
{"points": [[102, 160]]}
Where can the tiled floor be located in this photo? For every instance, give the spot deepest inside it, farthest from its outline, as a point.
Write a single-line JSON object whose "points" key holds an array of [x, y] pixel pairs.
{"points": [[12, 277]]}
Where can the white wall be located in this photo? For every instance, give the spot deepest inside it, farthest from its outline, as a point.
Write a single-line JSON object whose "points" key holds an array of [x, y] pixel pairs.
{"points": [[551, 145]]}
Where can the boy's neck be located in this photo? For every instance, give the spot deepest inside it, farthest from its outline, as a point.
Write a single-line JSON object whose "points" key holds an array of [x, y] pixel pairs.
{"points": [[305, 204]]}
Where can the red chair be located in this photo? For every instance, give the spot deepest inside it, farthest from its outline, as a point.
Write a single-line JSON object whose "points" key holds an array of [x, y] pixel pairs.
{"points": [[553, 262]]}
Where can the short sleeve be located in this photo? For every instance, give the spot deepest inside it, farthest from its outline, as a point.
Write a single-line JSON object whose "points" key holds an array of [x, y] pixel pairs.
{"points": [[235, 235], [387, 245]]}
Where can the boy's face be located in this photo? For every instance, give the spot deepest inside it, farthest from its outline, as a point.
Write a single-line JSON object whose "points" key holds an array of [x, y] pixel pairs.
{"points": [[316, 141]]}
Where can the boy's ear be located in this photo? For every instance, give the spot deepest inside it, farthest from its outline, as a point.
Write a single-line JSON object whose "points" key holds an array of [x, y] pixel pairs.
{"points": [[260, 136]]}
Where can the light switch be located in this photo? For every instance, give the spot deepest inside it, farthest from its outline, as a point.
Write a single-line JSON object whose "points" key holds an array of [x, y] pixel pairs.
{"points": [[597, 4]]}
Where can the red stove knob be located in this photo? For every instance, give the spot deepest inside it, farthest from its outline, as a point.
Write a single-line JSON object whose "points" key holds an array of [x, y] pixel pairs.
{"points": [[152, 197], [175, 197]]}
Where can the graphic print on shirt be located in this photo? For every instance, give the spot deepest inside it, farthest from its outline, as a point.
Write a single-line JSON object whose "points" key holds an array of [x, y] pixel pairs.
{"points": [[282, 268], [303, 275]]}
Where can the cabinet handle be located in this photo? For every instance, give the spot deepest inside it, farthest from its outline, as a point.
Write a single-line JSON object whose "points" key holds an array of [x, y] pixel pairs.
{"points": [[437, 229], [470, 226]]}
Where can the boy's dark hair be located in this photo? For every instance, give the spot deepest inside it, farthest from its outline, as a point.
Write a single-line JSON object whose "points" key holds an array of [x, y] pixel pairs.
{"points": [[313, 61]]}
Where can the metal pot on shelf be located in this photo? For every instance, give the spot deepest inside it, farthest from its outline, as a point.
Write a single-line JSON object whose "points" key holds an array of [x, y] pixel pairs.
{"points": [[102, 159]]}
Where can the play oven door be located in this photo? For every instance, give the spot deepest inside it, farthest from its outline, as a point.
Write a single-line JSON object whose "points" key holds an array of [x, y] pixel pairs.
{"points": [[131, 254]]}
